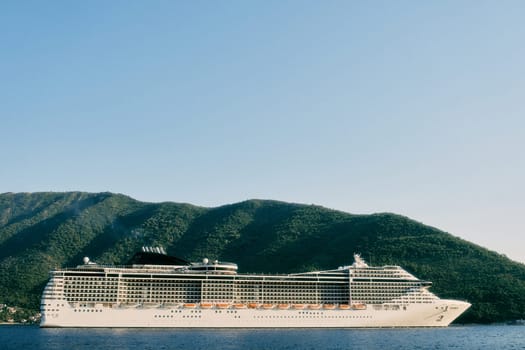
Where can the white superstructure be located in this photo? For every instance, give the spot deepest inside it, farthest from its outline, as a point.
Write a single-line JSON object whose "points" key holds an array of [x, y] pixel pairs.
{"points": [[161, 291]]}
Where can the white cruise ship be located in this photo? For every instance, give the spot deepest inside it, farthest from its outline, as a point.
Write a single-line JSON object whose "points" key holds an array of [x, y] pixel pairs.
{"points": [[157, 290]]}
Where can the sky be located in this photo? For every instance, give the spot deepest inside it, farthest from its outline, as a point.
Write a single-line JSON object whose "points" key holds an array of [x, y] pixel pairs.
{"points": [[410, 107]]}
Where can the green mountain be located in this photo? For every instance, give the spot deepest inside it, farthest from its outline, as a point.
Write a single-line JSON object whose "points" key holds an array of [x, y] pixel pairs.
{"points": [[43, 231]]}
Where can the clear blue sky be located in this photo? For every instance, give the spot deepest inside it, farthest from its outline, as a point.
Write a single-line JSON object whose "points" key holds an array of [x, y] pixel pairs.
{"points": [[411, 107]]}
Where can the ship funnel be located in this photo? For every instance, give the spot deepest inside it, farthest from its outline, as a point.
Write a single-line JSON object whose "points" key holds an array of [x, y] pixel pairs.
{"points": [[358, 261]]}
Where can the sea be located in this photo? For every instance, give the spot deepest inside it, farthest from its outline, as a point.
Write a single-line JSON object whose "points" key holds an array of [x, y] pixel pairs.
{"points": [[14, 337]]}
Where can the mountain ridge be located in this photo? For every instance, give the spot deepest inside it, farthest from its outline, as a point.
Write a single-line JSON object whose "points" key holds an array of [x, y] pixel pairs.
{"points": [[45, 230]]}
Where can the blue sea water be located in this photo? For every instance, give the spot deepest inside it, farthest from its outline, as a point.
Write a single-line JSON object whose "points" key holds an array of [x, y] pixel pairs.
{"points": [[456, 337]]}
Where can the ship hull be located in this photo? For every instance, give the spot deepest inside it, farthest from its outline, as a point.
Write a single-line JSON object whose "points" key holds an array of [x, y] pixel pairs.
{"points": [[439, 314]]}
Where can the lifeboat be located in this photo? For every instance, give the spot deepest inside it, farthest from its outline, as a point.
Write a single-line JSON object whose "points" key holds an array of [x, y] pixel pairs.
{"points": [[359, 306], [298, 306], [129, 305], [171, 305], [253, 305], [206, 305], [239, 306], [268, 306], [314, 306], [329, 306], [344, 306], [222, 305], [148, 305], [189, 305], [283, 306]]}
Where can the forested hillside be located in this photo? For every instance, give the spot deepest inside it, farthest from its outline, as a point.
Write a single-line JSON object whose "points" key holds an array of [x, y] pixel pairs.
{"points": [[43, 231]]}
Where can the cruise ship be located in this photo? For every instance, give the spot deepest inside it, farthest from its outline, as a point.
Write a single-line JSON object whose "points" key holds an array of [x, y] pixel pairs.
{"points": [[158, 290]]}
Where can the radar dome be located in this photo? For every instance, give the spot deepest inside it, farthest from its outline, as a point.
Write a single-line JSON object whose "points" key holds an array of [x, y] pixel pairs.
{"points": [[86, 260], [205, 261]]}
